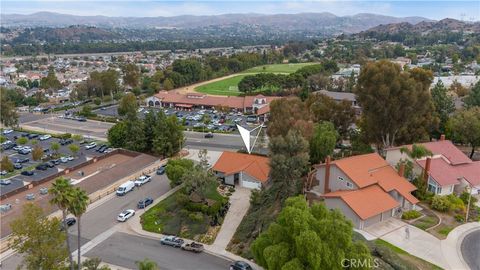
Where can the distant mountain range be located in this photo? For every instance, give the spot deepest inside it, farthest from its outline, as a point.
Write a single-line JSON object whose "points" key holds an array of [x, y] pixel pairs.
{"points": [[425, 27], [311, 22]]}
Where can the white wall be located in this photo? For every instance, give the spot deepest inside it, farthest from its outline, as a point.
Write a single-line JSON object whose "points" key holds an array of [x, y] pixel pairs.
{"points": [[249, 182]]}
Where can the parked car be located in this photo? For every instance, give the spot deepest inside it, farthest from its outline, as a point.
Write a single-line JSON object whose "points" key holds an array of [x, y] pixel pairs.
{"points": [[4, 208], [30, 196], [66, 141], [70, 158], [42, 167], [209, 135], [125, 215], [32, 136], [172, 241], [64, 159], [195, 247], [45, 137], [161, 170], [22, 160], [24, 151], [17, 147], [239, 265], [27, 173], [3, 172], [50, 164], [5, 182], [125, 188], [7, 131], [142, 180], [69, 221], [91, 145], [144, 203], [17, 166], [81, 119], [44, 191], [55, 161]]}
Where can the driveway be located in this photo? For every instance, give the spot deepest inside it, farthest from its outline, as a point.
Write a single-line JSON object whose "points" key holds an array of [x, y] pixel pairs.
{"points": [[239, 204]]}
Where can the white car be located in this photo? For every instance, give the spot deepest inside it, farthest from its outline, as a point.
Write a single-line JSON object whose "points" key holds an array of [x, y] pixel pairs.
{"points": [[143, 180], [91, 145], [70, 158], [126, 214], [45, 137], [7, 131], [64, 159]]}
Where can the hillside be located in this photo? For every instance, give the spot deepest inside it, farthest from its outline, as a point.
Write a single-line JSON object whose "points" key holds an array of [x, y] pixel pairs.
{"points": [[68, 34], [312, 22], [424, 27]]}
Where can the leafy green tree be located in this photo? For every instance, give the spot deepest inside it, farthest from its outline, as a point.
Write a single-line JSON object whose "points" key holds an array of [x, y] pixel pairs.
{"points": [[51, 81], [128, 106], [288, 163], [131, 74], [39, 239], [33, 142], [323, 108], [117, 134], [74, 149], [37, 153], [22, 140], [78, 207], [444, 104], [77, 137], [8, 114], [135, 135], [55, 147], [322, 142], [304, 237], [86, 111], [418, 151], [396, 105], [198, 180], [168, 84], [147, 264], [473, 98], [464, 127], [176, 168], [6, 164], [287, 114], [62, 196]]}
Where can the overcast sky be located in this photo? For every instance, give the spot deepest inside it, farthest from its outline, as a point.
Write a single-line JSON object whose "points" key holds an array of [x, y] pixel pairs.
{"points": [[431, 9]]}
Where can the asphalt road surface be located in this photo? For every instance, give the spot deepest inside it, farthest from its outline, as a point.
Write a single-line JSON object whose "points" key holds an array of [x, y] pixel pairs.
{"points": [[471, 249], [124, 250], [103, 217]]}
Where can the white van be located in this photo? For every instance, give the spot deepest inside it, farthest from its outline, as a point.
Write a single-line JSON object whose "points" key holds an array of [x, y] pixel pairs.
{"points": [[125, 188]]}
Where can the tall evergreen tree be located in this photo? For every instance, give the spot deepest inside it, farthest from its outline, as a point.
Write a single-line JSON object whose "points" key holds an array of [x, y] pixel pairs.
{"points": [[444, 105]]}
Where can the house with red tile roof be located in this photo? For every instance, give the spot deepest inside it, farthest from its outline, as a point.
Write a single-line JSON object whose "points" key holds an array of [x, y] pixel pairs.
{"points": [[258, 105], [245, 170], [447, 171], [365, 188]]}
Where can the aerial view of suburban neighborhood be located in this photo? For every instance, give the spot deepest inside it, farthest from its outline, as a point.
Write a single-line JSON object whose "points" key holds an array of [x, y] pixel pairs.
{"points": [[239, 135]]}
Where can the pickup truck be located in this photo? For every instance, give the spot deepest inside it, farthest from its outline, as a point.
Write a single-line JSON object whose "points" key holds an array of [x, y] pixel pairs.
{"points": [[194, 247], [143, 180]]}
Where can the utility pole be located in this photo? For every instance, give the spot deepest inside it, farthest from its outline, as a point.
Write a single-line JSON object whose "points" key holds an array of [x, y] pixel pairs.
{"points": [[469, 200]]}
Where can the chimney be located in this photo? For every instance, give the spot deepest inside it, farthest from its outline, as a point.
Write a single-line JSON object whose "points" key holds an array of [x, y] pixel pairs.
{"points": [[326, 188], [401, 169], [427, 168], [442, 137]]}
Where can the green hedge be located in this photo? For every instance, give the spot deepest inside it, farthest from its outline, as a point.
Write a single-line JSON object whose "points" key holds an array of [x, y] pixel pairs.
{"points": [[412, 214]]}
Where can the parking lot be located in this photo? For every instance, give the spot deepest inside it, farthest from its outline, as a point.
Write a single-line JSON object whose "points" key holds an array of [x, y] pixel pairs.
{"points": [[18, 180], [193, 119]]}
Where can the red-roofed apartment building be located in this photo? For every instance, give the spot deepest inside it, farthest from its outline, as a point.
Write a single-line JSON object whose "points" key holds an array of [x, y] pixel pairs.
{"points": [[365, 188], [258, 105], [448, 170], [250, 171]]}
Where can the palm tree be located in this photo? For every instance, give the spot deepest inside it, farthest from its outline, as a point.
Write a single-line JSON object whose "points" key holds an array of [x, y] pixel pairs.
{"points": [[62, 196], [78, 207], [147, 264]]}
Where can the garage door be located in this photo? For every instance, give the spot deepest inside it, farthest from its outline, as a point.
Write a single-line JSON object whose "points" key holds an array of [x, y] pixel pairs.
{"points": [[250, 184], [372, 220]]}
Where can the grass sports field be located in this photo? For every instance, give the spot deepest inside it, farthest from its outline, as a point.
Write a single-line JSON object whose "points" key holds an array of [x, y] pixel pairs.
{"points": [[278, 68], [229, 86]]}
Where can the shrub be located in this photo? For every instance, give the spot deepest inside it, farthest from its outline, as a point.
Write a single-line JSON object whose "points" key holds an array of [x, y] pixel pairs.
{"points": [[412, 214], [456, 203], [460, 218], [196, 217], [231, 189], [97, 101], [441, 203], [66, 136], [181, 199], [464, 197]]}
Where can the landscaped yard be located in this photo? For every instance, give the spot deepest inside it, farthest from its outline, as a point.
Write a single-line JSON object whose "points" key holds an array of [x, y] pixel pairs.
{"points": [[226, 87], [178, 215], [278, 68]]}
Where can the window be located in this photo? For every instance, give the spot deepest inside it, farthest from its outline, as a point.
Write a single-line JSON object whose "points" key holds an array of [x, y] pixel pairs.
{"points": [[349, 185], [341, 178]]}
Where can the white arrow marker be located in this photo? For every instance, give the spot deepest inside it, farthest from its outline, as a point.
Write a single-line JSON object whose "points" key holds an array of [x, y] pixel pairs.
{"points": [[245, 134]]}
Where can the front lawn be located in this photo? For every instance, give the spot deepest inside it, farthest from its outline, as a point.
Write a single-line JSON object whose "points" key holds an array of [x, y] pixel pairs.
{"points": [[179, 215]]}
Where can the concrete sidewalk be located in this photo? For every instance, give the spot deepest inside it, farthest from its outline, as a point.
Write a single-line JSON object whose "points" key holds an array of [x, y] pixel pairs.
{"points": [[444, 253]]}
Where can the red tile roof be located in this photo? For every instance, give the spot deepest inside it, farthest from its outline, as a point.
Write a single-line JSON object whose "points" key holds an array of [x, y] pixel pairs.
{"points": [[445, 148], [359, 168], [255, 166], [366, 202], [445, 173]]}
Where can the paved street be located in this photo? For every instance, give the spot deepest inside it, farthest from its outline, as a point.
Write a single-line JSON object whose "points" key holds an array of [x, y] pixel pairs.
{"points": [[124, 250], [471, 249]]}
